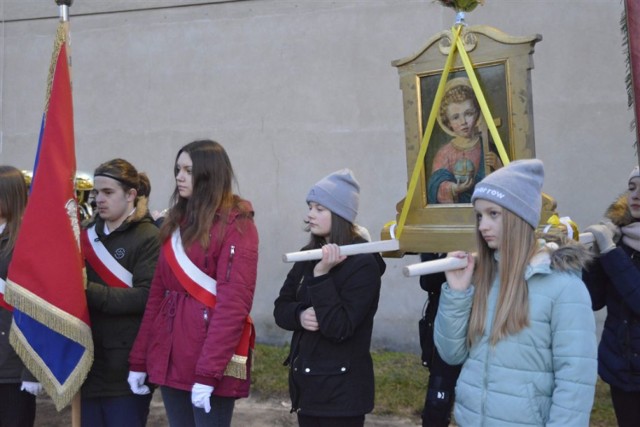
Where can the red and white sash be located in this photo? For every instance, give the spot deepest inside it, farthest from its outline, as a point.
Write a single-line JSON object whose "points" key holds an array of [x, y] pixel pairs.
{"points": [[198, 284], [202, 287], [103, 263]]}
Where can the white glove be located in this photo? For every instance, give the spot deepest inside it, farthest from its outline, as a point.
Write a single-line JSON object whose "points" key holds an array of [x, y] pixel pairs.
{"points": [[31, 387], [605, 236], [201, 396], [136, 382]]}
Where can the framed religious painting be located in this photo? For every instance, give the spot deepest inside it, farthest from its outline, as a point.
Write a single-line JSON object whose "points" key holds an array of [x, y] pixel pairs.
{"points": [[461, 150]]}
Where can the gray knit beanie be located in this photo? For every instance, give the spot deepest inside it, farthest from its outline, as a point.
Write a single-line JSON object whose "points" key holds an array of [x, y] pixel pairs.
{"points": [[516, 187], [339, 192], [635, 172]]}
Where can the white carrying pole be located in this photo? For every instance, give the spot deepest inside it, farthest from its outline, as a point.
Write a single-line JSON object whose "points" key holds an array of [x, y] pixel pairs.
{"points": [[586, 238], [445, 264], [435, 266], [358, 248]]}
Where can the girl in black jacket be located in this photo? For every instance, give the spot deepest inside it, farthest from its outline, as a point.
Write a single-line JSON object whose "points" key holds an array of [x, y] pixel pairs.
{"points": [[18, 387], [329, 305]]}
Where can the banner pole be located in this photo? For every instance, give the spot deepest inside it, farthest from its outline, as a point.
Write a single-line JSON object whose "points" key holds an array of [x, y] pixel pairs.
{"points": [[63, 6]]}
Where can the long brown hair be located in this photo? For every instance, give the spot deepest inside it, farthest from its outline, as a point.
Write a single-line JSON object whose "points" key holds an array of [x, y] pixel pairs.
{"points": [[13, 200], [517, 247], [212, 197]]}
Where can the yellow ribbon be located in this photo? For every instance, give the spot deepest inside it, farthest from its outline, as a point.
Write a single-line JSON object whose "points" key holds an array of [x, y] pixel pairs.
{"points": [[484, 107]]}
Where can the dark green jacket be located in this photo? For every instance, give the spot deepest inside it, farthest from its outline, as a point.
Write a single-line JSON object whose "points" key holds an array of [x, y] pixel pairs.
{"points": [[116, 313]]}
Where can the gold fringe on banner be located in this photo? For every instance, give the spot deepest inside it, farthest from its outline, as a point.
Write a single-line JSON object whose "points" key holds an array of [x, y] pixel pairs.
{"points": [[61, 38], [48, 314], [61, 395], [61, 322]]}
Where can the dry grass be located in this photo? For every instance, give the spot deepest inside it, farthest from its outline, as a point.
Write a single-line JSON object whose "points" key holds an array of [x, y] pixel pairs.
{"points": [[401, 383]]}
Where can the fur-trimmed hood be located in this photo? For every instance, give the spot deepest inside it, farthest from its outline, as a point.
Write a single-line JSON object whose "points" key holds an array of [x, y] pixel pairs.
{"points": [[618, 212], [558, 254]]}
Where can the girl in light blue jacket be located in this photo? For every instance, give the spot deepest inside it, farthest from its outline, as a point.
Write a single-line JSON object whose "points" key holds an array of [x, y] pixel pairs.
{"points": [[519, 318]]}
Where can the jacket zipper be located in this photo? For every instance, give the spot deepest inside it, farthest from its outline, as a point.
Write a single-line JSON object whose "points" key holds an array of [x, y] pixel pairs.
{"points": [[232, 252], [205, 316]]}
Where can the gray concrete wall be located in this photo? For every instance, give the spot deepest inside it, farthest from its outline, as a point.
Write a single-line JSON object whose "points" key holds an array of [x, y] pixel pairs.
{"points": [[297, 89]]}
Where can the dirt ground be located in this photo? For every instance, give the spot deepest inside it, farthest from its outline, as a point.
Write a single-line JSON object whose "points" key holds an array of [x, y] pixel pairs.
{"points": [[251, 412]]}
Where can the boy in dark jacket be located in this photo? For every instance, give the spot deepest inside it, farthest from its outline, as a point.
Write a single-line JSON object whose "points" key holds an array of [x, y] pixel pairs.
{"points": [[121, 247]]}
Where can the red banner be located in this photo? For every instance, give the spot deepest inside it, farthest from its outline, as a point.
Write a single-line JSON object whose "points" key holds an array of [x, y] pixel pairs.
{"points": [[51, 330]]}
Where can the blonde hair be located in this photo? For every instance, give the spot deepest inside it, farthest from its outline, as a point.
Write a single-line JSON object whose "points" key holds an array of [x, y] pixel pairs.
{"points": [[517, 247]]}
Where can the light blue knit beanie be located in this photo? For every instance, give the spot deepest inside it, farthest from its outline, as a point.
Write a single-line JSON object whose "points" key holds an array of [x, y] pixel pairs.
{"points": [[516, 187], [339, 192]]}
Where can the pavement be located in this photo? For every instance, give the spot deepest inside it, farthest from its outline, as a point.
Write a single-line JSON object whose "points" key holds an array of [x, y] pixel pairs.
{"points": [[251, 412]]}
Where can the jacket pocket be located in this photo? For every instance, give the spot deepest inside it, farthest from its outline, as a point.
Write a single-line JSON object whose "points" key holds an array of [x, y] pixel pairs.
{"points": [[539, 404], [320, 382], [315, 368], [242, 266], [111, 360]]}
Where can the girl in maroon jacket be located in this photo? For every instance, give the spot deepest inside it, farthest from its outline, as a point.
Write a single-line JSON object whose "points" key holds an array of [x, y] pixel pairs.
{"points": [[196, 334]]}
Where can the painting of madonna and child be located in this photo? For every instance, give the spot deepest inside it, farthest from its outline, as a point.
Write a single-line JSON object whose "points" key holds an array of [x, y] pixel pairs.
{"points": [[461, 151]]}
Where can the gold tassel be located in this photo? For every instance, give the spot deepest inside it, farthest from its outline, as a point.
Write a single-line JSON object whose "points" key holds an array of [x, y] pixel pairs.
{"points": [[237, 367]]}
